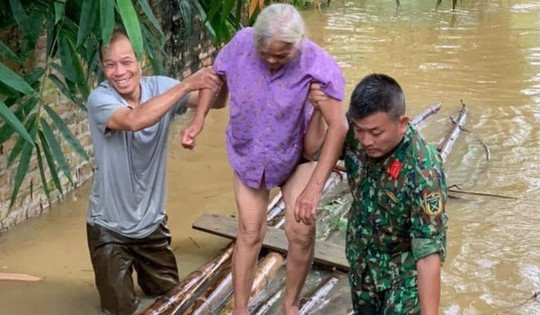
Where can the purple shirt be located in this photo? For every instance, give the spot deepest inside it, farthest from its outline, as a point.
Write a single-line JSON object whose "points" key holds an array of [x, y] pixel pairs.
{"points": [[269, 113]]}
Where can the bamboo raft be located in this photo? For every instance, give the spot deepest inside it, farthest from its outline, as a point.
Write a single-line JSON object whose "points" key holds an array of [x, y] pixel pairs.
{"points": [[208, 290]]}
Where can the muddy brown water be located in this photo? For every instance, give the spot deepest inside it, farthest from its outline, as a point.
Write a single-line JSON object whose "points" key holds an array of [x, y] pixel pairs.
{"points": [[486, 53]]}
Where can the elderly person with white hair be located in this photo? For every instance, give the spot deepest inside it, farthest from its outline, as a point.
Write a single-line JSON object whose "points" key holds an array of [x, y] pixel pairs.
{"points": [[268, 70]]}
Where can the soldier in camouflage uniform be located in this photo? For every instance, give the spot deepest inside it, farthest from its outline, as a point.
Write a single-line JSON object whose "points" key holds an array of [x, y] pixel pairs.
{"points": [[397, 225]]}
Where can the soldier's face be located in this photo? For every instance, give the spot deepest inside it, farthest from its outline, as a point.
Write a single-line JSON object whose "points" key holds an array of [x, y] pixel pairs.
{"points": [[379, 134], [121, 67]]}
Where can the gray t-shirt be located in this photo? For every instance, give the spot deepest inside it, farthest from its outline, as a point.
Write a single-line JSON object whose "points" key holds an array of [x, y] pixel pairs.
{"points": [[129, 191]]}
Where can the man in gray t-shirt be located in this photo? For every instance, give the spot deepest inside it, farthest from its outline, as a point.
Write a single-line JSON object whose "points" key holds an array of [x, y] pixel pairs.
{"points": [[129, 117]]}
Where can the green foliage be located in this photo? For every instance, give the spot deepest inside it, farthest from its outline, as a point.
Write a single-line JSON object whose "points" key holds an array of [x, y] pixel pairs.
{"points": [[71, 31]]}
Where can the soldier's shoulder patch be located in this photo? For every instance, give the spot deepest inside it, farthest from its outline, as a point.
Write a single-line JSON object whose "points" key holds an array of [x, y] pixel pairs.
{"points": [[432, 203]]}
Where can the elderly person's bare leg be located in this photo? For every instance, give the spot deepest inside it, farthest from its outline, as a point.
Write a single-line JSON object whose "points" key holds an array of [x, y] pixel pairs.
{"points": [[252, 204], [301, 239]]}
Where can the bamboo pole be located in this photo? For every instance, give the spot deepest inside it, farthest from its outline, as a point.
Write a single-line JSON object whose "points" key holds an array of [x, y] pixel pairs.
{"points": [[446, 145], [224, 290], [180, 297], [264, 306], [213, 298], [318, 297], [266, 270], [423, 115]]}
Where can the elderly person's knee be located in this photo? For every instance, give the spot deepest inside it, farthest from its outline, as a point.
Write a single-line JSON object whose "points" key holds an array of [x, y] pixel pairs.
{"points": [[301, 235], [250, 234]]}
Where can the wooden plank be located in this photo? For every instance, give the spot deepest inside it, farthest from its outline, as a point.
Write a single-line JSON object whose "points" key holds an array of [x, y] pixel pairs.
{"points": [[326, 254]]}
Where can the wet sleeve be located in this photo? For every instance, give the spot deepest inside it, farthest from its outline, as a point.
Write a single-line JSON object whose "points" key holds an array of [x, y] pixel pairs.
{"points": [[101, 106], [327, 72], [428, 217]]}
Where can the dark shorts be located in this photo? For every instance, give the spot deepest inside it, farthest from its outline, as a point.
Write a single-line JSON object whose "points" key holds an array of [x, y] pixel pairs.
{"points": [[114, 257]]}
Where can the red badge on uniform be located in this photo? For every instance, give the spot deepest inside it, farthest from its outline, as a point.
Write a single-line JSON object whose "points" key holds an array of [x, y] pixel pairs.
{"points": [[395, 168]]}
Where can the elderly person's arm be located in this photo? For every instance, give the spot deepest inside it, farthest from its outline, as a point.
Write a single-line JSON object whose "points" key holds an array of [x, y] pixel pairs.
{"points": [[332, 111], [205, 100]]}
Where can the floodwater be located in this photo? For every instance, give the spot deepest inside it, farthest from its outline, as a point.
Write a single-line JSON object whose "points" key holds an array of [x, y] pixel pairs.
{"points": [[486, 53]]}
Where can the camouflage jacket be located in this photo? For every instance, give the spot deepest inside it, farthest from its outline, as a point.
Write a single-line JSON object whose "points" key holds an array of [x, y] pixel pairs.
{"points": [[397, 216]]}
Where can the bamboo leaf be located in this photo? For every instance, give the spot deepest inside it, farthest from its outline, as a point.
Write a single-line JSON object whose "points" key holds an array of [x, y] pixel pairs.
{"points": [[227, 9], [14, 81], [87, 21], [22, 170], [8, 53], [56, 150], [131, 24], [8, 92], [66, 57], [19, 14], [10, 119], [52, 32], [186, 15], [64, 130], [19, 145], [150, 15], [68, 90], [76, 68], [61, 71], [42, 174], [59, 7], [74, 98], [106, 9], [212, 13], [207, 24], [24, 110], [154, 52], [34, 75], [32, 31], [16, 150], [63, 88], [50, 162]]}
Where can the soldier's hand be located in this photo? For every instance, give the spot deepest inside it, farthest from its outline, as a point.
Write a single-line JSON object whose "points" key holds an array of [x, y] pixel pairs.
{"points": [[305, 209], [188, 135], [316, 94], [205, 78]]}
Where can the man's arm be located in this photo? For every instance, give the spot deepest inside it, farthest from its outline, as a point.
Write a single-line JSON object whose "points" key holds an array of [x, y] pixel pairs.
{"points": [[306, 204], [150, 112], [429, 283], [206, 99]]}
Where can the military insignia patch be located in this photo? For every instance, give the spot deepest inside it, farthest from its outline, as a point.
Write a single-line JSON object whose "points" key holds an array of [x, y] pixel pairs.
{"points": [[433, 203]]}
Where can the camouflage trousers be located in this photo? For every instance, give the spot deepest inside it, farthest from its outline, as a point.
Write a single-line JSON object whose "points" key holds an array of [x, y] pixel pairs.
{"points": [[400, 298]]}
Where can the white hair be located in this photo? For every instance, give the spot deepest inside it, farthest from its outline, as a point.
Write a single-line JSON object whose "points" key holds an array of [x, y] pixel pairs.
{"points": [[282, 22]]}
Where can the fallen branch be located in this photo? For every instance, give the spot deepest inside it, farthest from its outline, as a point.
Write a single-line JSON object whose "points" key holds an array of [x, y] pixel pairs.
{"points": [[423, 115], [481, 194], [453, 133]]}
